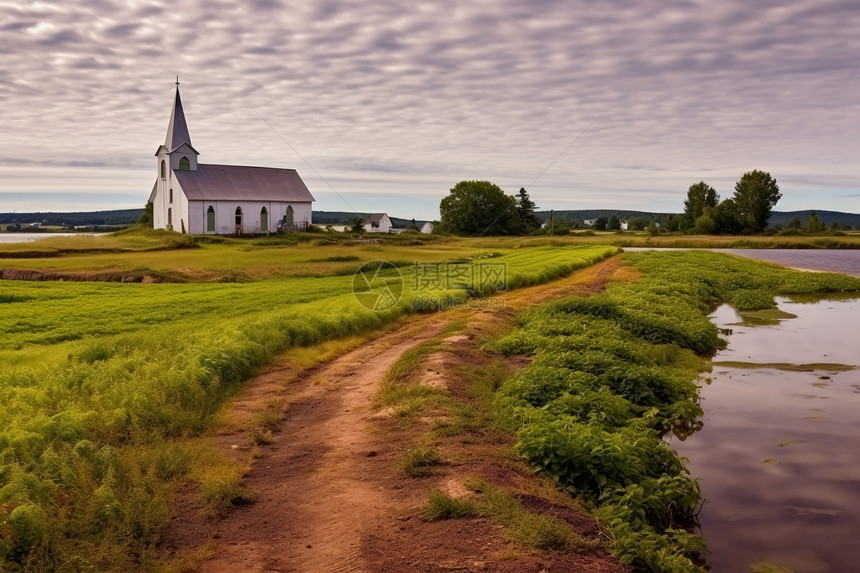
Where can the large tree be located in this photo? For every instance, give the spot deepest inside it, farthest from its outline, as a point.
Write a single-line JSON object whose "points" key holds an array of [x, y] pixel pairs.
{"points": [[526, 211], [478, 208], [756, 193], [614, 223], [146, 217], [727, 218], [814, 225], [701, 197]]}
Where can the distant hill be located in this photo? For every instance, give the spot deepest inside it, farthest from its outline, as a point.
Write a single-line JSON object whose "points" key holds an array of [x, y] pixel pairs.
{"points": [[347, 217], [827, 217], [579, 215], [116, 217], [129, 216], [780, 218]]}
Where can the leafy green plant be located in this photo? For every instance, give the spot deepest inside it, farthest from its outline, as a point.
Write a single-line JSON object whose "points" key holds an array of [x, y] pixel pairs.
{"points": [[612, 373]]}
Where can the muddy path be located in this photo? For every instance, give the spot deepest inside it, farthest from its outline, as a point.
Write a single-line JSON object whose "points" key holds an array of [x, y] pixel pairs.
{"points": [[330, 496]]}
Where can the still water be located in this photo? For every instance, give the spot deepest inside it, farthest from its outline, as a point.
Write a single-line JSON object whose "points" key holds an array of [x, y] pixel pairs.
{"points": [[778, 457], [30, 237], [845, 261]]}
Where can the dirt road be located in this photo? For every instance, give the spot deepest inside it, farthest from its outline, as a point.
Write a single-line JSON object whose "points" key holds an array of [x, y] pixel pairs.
{"points": [[330, 497]]}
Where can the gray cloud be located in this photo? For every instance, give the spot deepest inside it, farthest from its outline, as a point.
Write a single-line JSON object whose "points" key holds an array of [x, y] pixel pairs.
{"points": [[671, 92]]}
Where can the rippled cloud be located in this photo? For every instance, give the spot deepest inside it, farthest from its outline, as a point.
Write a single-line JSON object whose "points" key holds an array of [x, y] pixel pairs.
{"points": [[407, 99]]}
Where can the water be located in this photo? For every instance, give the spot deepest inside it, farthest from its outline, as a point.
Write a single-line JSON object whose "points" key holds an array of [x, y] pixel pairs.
{"points": [[842, 261], [778, 457], [30, 237], [845, 261]]}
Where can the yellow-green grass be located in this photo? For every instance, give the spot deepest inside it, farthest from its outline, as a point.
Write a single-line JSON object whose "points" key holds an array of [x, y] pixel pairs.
{"points": [[100, 381], [136, 240]]}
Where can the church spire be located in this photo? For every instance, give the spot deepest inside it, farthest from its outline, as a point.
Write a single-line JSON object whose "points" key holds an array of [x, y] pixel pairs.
{"points": [[177, 129]]}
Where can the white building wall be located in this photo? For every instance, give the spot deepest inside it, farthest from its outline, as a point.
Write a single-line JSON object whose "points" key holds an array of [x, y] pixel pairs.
{"points": [[225, 215], [183, 151], [384, 226]]}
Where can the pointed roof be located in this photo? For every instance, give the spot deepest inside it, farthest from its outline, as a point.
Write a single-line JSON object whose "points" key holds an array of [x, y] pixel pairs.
{"points": [[375, 219], [177, 129]]}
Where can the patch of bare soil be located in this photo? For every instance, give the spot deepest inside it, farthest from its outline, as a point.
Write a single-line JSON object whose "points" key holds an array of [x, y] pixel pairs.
{"points": [[330, 496], [83, 276]]}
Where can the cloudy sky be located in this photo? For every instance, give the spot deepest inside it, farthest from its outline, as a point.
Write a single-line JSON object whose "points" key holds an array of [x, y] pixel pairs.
{"points": [[383, 106]]}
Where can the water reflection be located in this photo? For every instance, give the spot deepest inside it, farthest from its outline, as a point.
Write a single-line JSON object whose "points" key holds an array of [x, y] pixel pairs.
{"points": [[778, 458]]}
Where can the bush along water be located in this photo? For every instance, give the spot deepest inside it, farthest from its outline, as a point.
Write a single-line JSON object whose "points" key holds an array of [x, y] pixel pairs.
{"points": [[615, 372]]}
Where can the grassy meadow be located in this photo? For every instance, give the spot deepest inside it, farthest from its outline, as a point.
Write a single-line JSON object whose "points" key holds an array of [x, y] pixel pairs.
{"points": [[106, 387], [614, 372]]}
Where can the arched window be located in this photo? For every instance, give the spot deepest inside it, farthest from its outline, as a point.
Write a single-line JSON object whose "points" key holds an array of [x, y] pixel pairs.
{"points": [[289, 217], [210, 219], [184, 164], [238, 220], [264, 220], [163, 169]]}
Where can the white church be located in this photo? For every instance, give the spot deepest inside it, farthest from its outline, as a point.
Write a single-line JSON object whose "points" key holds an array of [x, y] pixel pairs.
{"points": [[202, 198]]}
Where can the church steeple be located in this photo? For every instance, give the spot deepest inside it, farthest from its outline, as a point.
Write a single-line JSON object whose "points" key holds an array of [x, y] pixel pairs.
{"points": [[177, 151], [177, 129]]}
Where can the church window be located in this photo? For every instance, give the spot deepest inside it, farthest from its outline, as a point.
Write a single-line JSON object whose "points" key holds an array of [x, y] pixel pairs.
{"points": [[210, 219], [184, 164], [171, 196], [238, 220], [163, 169], [170, 218], [264, 220]]}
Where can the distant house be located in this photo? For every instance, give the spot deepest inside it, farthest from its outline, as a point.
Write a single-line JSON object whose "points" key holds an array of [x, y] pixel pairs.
{"points": [[378, 223], [427, 228], [199, 198]]}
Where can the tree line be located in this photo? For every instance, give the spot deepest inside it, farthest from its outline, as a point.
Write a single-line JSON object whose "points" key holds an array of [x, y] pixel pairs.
{"points": [[477, 208], [746, 212]]}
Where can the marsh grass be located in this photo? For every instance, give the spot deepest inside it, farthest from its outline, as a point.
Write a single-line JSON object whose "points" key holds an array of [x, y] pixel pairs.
{"points": [[101, 383], [612, 373], [420, 462], [786, 366], [537, 531]]}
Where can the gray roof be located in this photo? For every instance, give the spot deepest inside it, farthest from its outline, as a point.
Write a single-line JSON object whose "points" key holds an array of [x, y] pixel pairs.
{"points": [[240, 183], [177, 129], [375, 218]]}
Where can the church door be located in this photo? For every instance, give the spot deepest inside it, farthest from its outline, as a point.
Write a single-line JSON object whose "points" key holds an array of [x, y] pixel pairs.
{"points": [[238, 220], [264, 220], [210, 219], [289, 216]]}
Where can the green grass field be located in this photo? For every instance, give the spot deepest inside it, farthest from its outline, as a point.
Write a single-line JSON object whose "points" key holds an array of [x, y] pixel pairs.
{"points": [[104, 386]]}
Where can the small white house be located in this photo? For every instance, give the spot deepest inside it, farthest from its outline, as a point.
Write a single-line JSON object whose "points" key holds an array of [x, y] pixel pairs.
{"points": [[378, 223], [198, 198], [427, 228]]}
